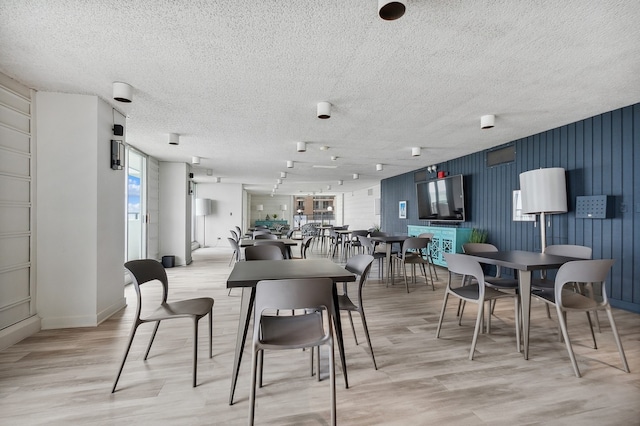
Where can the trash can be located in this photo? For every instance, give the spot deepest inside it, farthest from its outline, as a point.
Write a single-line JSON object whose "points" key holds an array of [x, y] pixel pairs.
{"points": [[168, 261]]}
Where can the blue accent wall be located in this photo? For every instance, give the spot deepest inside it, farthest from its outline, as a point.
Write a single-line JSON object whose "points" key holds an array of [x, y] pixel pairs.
{"points": [[601, 156]]}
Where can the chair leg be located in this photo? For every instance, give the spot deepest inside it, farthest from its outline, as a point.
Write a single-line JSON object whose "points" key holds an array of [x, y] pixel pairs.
{"points": [[153, 336], [444, 305], [260, 367], [124, 357], [464, 303], [332, 380], [565, 334], [517, 321], [593, 336], [476, 331], [404, 273], [211, 333], [252, 391], [195, 349], [317, 349], [366, 333], [616, 336], [352, 327]]}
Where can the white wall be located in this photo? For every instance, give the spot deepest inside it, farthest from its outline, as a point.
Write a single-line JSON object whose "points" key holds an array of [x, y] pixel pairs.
{"points": [[175, 212], [80, 212], [358, 208], [226, 212]]}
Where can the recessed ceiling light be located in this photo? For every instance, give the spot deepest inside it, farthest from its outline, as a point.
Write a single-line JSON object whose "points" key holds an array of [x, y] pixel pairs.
{"points": [[321, 166]]}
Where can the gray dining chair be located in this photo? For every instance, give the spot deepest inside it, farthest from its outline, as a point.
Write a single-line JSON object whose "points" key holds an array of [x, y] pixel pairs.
{"points": [[145, 271], [360, 265], [283, 248], [268, 236], [466, 266], [411, 254], [593, 272], [308, 330], [263, 252]]}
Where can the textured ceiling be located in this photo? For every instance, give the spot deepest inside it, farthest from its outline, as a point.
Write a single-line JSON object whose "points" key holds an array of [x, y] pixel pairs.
{"points": [[239, 80]]}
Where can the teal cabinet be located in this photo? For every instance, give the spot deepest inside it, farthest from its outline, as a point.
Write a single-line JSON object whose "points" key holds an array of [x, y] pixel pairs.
{"points": [[271, 223], [445, 240]]}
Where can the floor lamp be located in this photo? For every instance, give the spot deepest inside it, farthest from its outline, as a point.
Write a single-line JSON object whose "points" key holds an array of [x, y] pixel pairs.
{"points": [[543, 191], [203, 208]]}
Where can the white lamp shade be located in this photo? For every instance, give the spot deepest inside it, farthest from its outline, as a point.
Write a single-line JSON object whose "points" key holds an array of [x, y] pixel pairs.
{"points": [[283, 207], [544, 191], [203, 206], [260, 207]]}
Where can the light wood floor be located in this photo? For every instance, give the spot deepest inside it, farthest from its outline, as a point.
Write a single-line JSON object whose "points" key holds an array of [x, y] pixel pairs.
{"points": [[65, 376]]}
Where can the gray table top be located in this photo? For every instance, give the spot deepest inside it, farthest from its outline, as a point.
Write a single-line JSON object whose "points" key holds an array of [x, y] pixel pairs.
{"points": [[247, 274], [523, 260], [287, 242]]}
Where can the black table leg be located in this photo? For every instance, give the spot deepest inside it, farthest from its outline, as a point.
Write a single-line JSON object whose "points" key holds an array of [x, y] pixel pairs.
{"points": [[246, 306], [338, 326]]}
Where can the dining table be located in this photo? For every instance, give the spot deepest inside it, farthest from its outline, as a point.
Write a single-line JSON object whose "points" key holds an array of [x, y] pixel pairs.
{"points": [[246, 275], [389, 241], [525, 262]]}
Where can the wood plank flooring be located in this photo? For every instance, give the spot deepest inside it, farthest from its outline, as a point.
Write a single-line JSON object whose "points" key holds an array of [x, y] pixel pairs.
{"points": [[65, 376]]}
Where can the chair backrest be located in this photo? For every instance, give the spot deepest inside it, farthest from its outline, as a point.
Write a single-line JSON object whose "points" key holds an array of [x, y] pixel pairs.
{"points": [[356, 233], [583, 271], [279, 244], [236, 247], [261, 232], [313, 293], [234, 235], [379, 234], [414, 244], [306, 242], [261, 227], [428, 235], [309, 229], [466, 266], [238, 231], [146, 270], [471, 248], [569, 250], [263, 252], [290, 233], [265, 237], [366, 243]]}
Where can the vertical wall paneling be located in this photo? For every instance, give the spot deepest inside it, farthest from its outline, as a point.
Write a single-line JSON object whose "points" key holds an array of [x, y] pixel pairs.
{"points": [[17, 301], [600, 155], [153, 208]]}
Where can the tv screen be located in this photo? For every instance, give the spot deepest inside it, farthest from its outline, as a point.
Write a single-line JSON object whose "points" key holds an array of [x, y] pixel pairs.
{"points": [[441, 199]]}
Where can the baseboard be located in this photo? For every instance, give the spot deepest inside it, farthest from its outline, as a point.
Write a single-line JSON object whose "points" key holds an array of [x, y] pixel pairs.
{"points": [[106, 313], [49, 323], [17, 332]]}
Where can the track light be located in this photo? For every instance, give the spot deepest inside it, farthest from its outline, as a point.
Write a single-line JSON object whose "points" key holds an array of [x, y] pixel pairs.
{"points": [[122, 92], [324, 110], [487, 121]]}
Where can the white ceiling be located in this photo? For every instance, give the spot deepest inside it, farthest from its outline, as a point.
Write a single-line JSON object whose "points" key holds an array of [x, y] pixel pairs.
{"points": [[239, 80]]}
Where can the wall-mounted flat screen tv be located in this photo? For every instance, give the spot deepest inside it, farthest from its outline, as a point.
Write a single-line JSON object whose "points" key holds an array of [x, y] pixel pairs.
{"points": [[441, 200]]}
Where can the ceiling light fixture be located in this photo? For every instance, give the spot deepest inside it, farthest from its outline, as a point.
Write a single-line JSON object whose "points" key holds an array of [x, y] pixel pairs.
{"points": [[487, 121], [217, 179], [391, 10], [340, 182], [275, 186], [324, 110], [122, 92], [279, 181], [174, 139], [334, 158], [432, 169], [324, 148], [379, 167], [356, 176], [329, 187], [415, 151], [289, 164], [209, 172], [283, 174], [301, 146], [195, 160]]}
